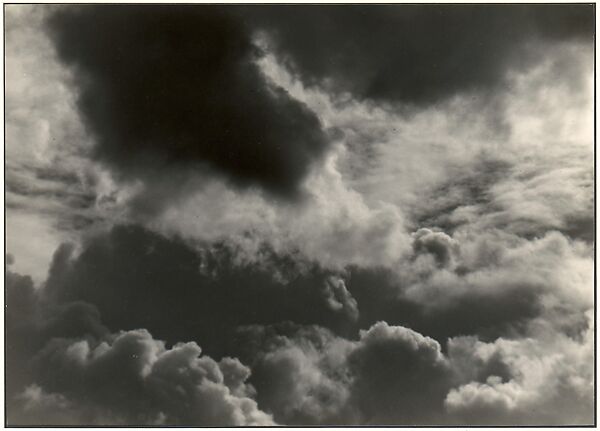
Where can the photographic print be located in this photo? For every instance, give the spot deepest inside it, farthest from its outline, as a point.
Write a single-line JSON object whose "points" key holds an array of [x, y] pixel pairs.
{"points": [[299, 214]]}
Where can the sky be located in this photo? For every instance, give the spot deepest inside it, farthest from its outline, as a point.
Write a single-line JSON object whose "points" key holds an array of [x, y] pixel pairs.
{"points": [[299, 214]]}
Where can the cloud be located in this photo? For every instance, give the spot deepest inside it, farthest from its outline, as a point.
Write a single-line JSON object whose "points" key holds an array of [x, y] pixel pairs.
{"points": [[31, 321], [307, 375], [339, 299], [394, 375], [300, 373], [39, 407], [131, 378], [182, 93], [438, 268], [550, 382], [521, 163], [51, 185], [333, 227], [437, 244], [442, 168], [489, 285], [21, 306], [417, 54], [495, 285], [401, 376], [212, 289], [68, 369]]}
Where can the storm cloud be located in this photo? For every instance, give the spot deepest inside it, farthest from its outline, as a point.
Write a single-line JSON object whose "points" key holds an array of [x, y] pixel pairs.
{"points": [[164, 89]]}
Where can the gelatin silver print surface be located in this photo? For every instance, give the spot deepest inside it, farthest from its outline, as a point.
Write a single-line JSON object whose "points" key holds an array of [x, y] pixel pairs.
{"points": [[254, 215]]}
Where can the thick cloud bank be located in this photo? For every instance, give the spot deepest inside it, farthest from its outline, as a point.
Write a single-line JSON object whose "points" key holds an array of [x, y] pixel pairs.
{"points": [[512, 330], [77, 372], [300, 215]]}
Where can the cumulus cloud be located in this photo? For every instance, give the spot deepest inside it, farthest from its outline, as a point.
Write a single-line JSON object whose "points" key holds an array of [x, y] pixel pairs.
{"points": [[131, 378], [68, 369], [391, 375], [401, 376], [300, 373], [307, 375], [550, 381]]}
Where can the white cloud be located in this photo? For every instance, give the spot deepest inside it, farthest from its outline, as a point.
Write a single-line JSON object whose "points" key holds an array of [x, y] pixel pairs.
{"points": [[551, 382]]}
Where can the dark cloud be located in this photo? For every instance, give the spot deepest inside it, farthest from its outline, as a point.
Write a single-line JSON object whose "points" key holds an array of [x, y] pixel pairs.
{"points": [[131, 378], [307, 375], [491, 285], [300, 372], [417, 54], [77, 355], [66, 368], [21, 305], [402, 376], [394, 375], [164, 90], [381, 296], [208, 293], [483, 315], [30, 323], [174, 291]]}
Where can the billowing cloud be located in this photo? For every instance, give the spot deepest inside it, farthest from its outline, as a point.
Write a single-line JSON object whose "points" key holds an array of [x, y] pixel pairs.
{"points": [[307, 375], [391, 375], [68, 369], [131, 378], [549, 381], [401, 376], [300, 373]]}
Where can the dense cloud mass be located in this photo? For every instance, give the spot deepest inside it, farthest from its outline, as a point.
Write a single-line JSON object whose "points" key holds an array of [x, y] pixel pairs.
{"points": [[175, 88], [323, 368], [300, 215], [418, 54], [136, 380]]}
